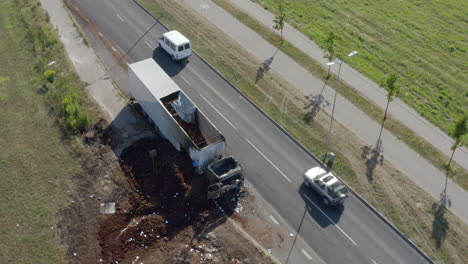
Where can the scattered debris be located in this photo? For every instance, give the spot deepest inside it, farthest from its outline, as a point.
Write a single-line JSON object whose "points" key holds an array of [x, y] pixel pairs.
{"points": [[107, 208]]}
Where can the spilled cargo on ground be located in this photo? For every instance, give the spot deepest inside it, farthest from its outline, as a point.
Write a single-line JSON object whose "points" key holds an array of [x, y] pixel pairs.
{"points": [[174, 115]]}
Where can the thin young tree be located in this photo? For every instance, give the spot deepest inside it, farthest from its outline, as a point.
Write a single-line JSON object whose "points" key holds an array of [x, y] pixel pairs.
{"points": [[279, 18], [392, 90], [458, 134], [329, 46]]}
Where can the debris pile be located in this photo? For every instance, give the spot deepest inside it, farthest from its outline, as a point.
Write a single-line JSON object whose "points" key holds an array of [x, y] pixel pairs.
{"points": [[164, 199], [191, 129]]}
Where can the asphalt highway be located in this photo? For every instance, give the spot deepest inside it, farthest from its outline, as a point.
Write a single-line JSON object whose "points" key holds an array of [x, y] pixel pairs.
{"points": [[273, 162]]}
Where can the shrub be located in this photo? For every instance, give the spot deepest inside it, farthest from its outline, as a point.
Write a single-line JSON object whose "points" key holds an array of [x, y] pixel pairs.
{"points": [[50, 75], [76, 119]]}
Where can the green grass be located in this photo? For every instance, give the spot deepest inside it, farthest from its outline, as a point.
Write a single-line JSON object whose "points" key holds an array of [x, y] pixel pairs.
{"points": [[418, 144], [36, 159], [424, 42], [390, 189]]}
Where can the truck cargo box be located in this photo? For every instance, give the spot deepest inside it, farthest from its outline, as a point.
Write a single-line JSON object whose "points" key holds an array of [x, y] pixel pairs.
{"points": [[174, 115]]}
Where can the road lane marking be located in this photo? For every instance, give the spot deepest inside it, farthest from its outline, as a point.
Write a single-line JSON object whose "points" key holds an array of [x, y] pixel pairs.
{"points": [[271, 163], [100, 34], [120, 17], [218, 112], [149, 45], [329, 219], [274, 220], [114, 49], [76, 8], [87, 20], [187, 81], [373, 261], [307, 255]]}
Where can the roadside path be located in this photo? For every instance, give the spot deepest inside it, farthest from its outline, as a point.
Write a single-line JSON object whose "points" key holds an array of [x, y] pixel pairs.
{"points": [[430, 178]]}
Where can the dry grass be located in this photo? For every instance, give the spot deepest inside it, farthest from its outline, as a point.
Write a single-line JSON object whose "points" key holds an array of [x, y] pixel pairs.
{"points": [[421, 220]]}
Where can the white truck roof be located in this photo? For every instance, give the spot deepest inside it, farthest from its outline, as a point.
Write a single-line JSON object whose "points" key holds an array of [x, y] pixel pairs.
{"points": [[319, 173], [176, 37], [154, 78], [314, 172]]}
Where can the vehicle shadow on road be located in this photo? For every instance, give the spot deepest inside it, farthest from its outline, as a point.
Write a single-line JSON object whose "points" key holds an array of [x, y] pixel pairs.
{"points": [[172, 68], [372, 158], [317, 209], [440, 225]]}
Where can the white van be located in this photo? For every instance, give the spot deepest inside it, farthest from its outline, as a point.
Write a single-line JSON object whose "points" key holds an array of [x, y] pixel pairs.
{"points": [[174, 43]]}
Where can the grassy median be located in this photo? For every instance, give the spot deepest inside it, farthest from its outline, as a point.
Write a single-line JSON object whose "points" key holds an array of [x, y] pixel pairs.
{"points": [[439, 233], [417, 143], [37, 157]]}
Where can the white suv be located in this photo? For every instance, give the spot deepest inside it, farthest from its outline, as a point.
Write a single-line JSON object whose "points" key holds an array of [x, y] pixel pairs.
{"points": [[327, 185]]}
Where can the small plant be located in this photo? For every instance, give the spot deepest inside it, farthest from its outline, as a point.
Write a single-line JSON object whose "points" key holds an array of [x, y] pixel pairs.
{"points": [[50, 75], [76, 118], [280, 17]]}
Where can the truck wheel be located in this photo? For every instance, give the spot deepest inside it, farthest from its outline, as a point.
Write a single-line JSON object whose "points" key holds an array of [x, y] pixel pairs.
{"points": [[325, 201], [307, 183], [173, 58]]}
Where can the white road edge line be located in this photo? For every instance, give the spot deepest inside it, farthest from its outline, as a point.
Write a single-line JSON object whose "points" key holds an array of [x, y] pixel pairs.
{"points": [[373, 261], [113, 49], [187, 82], [329, 219], [271, 163], [217, 111], [307, 255], [274, 220], [120, 17], [100, 34], [150, 46]]}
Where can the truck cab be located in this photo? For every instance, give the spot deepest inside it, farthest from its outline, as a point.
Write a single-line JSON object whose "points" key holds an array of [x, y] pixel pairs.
{"points": [[327, 185], [223, 175]]}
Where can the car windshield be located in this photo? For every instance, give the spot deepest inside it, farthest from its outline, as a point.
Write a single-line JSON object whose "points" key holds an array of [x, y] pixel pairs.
{"points": [[338, 189]]}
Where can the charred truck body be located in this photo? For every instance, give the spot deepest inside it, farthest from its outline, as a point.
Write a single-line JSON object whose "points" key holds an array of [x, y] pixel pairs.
{"points": [[174, 115]]}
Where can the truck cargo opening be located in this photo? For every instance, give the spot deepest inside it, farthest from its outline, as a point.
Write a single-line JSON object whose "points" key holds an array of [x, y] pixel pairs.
{"points": [[192, 121]]}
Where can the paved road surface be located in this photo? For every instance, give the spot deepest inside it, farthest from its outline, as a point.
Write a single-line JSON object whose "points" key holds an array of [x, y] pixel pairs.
{"points": [[273, 163]]}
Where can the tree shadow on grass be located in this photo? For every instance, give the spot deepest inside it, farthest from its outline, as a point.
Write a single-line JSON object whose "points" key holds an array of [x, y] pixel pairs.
{"points": [[440, 225], [315, 101], [264, 67], [373, 157]]}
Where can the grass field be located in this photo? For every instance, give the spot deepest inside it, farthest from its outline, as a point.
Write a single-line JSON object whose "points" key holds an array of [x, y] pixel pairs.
{"points": [[424, 42], [436, 231], [417, 143], [36, 157]]}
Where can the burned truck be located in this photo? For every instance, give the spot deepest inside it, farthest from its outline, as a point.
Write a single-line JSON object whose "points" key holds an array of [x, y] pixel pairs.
{"points": [[223, 176], [174, 116]]}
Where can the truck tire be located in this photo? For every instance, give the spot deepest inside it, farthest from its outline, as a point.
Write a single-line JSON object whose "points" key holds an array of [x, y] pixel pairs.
{"points": [[307, 183]]}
